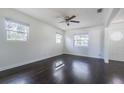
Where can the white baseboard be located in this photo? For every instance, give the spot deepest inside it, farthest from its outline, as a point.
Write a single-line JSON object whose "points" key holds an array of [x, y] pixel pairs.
{"points": [[32, 61], [24, 63], [117, 60], [84, 55]]}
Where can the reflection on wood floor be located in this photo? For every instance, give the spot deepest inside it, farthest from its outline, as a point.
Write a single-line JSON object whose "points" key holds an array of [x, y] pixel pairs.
{"points": [[65, 69]]}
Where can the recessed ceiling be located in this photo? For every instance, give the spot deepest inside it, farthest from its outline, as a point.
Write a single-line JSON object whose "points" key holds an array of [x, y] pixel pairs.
{"points": [[87, 16]]}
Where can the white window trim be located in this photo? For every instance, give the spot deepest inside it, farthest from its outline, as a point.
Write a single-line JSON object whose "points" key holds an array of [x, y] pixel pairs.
{"points": [[61, 37], [19, 22], [80, 34]]}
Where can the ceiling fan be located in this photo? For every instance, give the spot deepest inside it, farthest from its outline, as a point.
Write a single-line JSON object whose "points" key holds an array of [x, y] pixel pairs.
{"points": [[68, 19]]}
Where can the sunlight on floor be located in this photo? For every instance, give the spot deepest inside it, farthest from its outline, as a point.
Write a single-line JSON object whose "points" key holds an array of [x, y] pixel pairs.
{"points": [[116, 80], [81, 70]]}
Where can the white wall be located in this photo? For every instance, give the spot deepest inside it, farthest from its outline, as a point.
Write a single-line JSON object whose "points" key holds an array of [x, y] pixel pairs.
{"points": [[95, 48], [41, 43], [116, 48]]}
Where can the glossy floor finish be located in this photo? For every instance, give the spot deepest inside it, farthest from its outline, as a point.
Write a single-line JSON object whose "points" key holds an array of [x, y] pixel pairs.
{"points": [[74, 70]]}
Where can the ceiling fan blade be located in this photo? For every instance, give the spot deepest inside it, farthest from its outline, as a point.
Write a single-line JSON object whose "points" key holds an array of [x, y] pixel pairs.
{"points": [[71, 17], [75, 21], [62, 21]]}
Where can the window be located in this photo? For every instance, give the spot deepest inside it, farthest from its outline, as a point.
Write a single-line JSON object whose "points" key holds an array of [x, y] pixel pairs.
{"points": [[81, 40], [58, 38], [16, 30]]}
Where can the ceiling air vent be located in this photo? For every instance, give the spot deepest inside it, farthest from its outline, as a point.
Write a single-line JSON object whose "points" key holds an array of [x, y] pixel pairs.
{"points": [[99, 10]]}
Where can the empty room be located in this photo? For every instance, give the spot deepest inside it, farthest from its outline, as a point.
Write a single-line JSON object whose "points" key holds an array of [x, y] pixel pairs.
{"points": [[61, 46]]}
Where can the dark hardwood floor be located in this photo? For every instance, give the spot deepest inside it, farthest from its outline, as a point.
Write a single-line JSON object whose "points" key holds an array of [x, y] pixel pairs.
{"points": [[76, 70]]}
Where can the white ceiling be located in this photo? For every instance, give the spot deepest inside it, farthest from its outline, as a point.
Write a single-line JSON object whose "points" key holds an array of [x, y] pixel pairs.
{"points": [[86, 16]]}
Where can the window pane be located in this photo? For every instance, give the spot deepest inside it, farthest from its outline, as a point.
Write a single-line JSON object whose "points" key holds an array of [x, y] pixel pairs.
{"points": [[16, 31], [11, 35], [58, 41], [81, 40], [58, 38], [76, 37], [75, 43]]}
